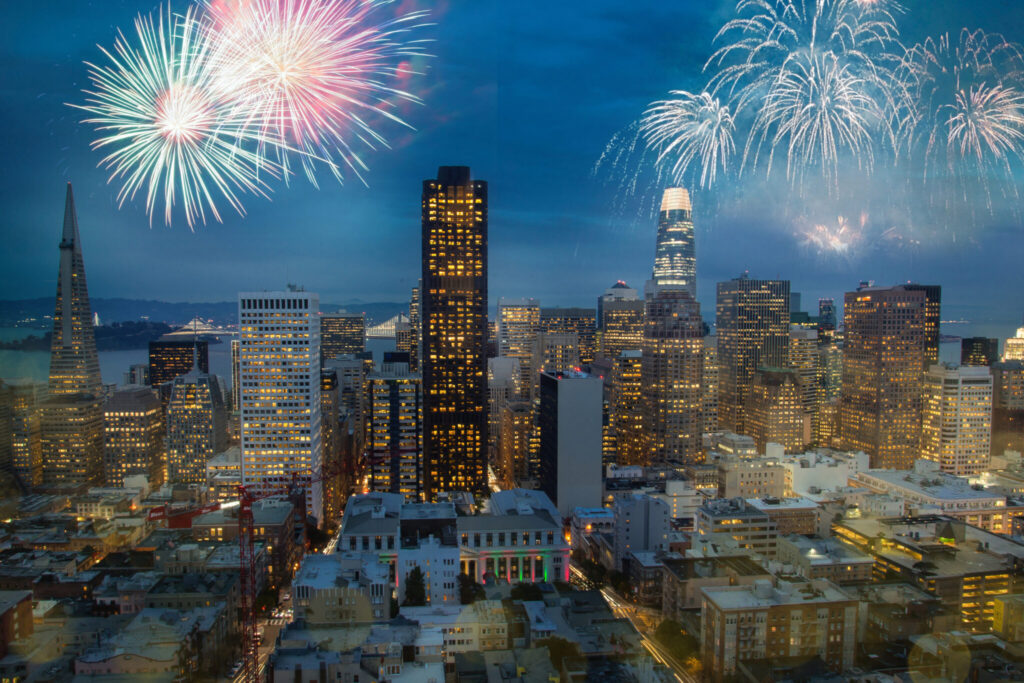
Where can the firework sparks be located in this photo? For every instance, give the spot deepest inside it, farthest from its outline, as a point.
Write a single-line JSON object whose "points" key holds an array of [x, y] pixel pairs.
{"points": [[167, 131], [839, 239], [692, 129], [314, 72]]}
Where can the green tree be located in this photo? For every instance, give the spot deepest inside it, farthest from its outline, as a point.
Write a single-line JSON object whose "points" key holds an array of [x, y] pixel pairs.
{"points": [[469, 590], [677, 641], [559, 649], [526, 591], [415, 589]]}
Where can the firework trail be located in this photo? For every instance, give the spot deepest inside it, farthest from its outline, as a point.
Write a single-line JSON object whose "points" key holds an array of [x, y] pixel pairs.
{"points": [[965, 119], [690, 131], [839, 239], [165, 129], [314, 72]]}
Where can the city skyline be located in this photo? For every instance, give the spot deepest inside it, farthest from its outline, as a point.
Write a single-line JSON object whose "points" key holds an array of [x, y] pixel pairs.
{"points": [[547, 242]]}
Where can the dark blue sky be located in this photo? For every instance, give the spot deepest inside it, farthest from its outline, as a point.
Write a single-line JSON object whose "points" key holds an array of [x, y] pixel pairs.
{"points": [[528, 94]]}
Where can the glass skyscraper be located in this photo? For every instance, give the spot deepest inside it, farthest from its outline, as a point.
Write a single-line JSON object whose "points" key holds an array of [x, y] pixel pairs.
{"points": [[675, 259]]}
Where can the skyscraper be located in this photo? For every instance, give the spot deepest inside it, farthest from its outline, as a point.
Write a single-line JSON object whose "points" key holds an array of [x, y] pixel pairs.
{"points": [[671, 376], [26, 442], [803, 359], [236, 384], [675, 259], [415, 328], [621, 322], [133, 425], [196, 426], [827, 313], [331, 443], [709, 386], [932, 319], [627, 416], [342, 333], [579, 321], [570, 439], [170, 357], [503, 388], [518, 325], [1007, 406], [279, 371], [753, 331], [454, 303], [396, 441], [72, 415], [775, 411], [1013, 348], [516, 433], [883, 352], [979, 351], [956, 427]]}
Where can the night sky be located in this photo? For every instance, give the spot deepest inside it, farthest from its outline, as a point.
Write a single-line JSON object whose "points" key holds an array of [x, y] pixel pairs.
{"points": [[526, 93]]}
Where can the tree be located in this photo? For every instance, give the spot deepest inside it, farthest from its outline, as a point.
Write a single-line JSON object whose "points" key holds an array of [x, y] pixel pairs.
{"points": [[559, 649], [469, 590], [415, 589], [526, 591], [677, 641]]}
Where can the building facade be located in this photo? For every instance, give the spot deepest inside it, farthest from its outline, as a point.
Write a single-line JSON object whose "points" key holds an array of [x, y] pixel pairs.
{"points": [[775, 409], [396, 441], [196, 426], [172, 357], [342, 333], [133, 443], [675, 258], [956, 425]]}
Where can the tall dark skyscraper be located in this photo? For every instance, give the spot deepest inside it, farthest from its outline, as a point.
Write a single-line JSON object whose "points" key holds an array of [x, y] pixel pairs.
{"points": [[979, 351], [72, 415], [753, 331], [883, 353], [342, 333], [675, 259], [932, 319], [454, 310], [827, 313], [173, 357]]}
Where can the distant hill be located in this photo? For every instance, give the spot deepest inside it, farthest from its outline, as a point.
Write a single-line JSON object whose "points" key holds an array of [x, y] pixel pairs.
{"points": [[114, 337], [38, 312]]}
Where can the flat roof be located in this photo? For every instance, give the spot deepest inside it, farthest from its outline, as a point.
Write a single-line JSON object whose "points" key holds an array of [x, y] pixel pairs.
{"points": [[756, 595]]}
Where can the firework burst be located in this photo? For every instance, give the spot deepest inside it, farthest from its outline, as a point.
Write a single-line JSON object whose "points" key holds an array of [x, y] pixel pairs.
{"points": [[840, 239], [165, 128], [314, 73], [691, 130]]}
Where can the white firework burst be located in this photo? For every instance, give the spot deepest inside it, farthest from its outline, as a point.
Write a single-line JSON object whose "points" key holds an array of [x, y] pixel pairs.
{"points": [[692, 130]]}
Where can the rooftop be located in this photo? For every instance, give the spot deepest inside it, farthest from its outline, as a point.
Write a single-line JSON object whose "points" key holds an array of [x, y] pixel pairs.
{"points": [[762, 594], [774, 504]]}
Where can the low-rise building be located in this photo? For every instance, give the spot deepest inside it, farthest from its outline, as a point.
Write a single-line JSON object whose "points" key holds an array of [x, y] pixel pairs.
{"points": [[761, 622], [273, 526], [588, 521], [816, 558], [642, 523], [683, 579], [15, 618], [341, 589], [750, 478], [751, 529], [791, 515]]}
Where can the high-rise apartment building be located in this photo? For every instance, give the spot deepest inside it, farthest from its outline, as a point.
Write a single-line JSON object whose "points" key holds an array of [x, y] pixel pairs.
{"points": [[932, 319], [72, 414], [709, 386], [956, 425], [133, 443], [279, 371], [803, 359], [396, 441], [627, 415], [675, 259], [570, 439], [620, 320], [26, 437], [518, 325], [579, 321], [454, 302], [775, 411], [884, 350], [342, 333], [196, 426], [753, 331], [170, 357], [979, 351], [671, 376]]}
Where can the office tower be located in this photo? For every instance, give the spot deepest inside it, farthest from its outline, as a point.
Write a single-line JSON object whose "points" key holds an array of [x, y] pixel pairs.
{"points": [[503, 377], [454, 300], [330, 443], [979, 351], [956, 423], [671, 376], [137, 375], [579, 321], [828, 434], [416, 328], [803, 359], [570, 439], [555, 352], [26, 431], [884, 349], [675, 258], [932, 319], [516, 432], [407, 341], [775, 410], [170, 357], [133, 443], [753, 331], [620, 320], [196, 426], [353, 397], [1013, 348], [1008, 406], [709, 386], [342, 333], [396, 442], [518, 325], [72, 414], [236, 399], [279, 369], [830, 371], [827, 313], [627, 417]]}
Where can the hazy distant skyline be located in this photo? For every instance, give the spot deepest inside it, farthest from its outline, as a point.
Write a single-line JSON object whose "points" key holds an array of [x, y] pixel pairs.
{"points": [[528, 100]]}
